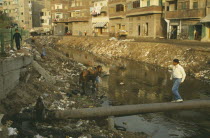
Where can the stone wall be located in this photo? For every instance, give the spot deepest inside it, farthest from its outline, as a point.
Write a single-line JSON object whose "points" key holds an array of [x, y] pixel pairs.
{"points": [[10, 69]]}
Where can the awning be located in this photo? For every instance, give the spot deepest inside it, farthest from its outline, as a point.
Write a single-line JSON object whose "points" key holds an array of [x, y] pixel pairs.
{"points": [[206, 19], [100, 24]]}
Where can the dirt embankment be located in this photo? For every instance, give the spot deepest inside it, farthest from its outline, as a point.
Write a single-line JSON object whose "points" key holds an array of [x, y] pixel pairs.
{"points": [[58, 96], [195, 59]]}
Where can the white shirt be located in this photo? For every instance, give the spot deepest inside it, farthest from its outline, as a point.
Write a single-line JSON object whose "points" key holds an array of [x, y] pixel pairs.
{"points": [[178, 72]]}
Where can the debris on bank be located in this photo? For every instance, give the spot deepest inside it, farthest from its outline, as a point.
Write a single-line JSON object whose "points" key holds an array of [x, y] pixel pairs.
{"points": [[194, 59], [55, 79]]}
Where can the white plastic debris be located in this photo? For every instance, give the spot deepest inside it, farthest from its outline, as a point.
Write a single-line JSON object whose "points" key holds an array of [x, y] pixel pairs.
{"points": [[12, 131], [38, 136]]}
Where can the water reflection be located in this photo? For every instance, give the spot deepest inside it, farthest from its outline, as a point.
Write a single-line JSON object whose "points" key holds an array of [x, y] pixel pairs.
{"points": [[148, 84]]}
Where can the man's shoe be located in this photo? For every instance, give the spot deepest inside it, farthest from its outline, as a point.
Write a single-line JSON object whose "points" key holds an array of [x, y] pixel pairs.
{"points": [[179, 100]]}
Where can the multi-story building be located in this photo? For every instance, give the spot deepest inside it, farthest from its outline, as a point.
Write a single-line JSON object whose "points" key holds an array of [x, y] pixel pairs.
{"points": [[100, 18], [1, 7], [183, 18], [145, 18], [25, 14], [117, 16], [19, 12], [46, 21], [10, 8], [206, 23], [80, 17], [38, 7], [60, 15]]}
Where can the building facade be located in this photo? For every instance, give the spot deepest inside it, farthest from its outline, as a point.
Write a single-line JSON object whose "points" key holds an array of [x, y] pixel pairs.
{"points": [[145, 18], [100, 18], [46, 20], [117, 16], [19, 12], [184, 19], [1, 7], [80, 17], [60, 15]]}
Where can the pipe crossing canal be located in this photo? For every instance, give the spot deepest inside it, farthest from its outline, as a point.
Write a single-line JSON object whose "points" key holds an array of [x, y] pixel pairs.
{"points": [[131, 83]]}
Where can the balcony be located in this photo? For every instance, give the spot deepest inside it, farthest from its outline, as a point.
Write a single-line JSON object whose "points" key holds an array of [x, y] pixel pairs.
{"points": [[117, 15], [144, 10], [116, 1], [78, 8], [78, 19], [186, 14], [60, 10], [60, 20]]}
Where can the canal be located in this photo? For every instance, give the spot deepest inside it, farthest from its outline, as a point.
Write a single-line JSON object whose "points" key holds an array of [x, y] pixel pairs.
{"points": [[132, 82]]}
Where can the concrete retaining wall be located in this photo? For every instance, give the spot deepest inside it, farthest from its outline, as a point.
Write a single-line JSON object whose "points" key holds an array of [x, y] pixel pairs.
{"points": [[10, 73]]}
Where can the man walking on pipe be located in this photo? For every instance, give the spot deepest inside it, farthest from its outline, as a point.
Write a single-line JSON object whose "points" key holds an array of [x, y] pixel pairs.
{"points": [[178, 76]]}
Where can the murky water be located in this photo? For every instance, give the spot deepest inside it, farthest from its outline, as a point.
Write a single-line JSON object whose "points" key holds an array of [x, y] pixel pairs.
{"points": [[137, 83]]}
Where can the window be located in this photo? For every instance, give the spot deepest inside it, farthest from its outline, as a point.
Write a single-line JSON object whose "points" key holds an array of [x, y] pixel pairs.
{"points": [[22, 21], [184, 5], [42, 20], [136, 4], [123, 27], [119, 7], [195, 5], [148, 3], [41, 13], [119, 26], [21, 13]]}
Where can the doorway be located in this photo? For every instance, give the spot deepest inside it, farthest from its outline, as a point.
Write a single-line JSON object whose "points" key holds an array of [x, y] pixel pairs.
{"points": [[147, 29], [174, 32], [66, 30], [139, 30], [99, 31], [198, 32]]}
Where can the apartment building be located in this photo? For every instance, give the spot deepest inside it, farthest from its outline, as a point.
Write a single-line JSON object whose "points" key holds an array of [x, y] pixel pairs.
{"points": [[38, 6], [145, 18], [80, 17], [184, 19], [117, 16], [60, 16], [25, 14], [100, 18], [10, 8], [19, 12], [1, 7], [206, 23], [46, 21]]}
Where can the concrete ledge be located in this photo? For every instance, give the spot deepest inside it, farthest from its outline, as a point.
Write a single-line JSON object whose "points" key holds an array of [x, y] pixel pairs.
{"points": [[11, 64], [11, 80], [10, 69]]}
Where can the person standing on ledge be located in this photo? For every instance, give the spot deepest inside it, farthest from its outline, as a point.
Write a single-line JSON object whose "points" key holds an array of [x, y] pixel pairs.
{"points": [[178, 76], [17, 38]]}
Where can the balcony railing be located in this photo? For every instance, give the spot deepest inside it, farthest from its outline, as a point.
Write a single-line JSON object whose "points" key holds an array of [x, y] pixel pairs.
{"points": [[116, 1], [117, 15], [144, 10], [78, 8], [78, 19], [60, 10], [184, 14]]}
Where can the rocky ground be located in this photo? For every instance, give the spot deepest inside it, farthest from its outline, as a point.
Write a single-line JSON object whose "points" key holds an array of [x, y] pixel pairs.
{"points": [[62, 95], [194, 56]]}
